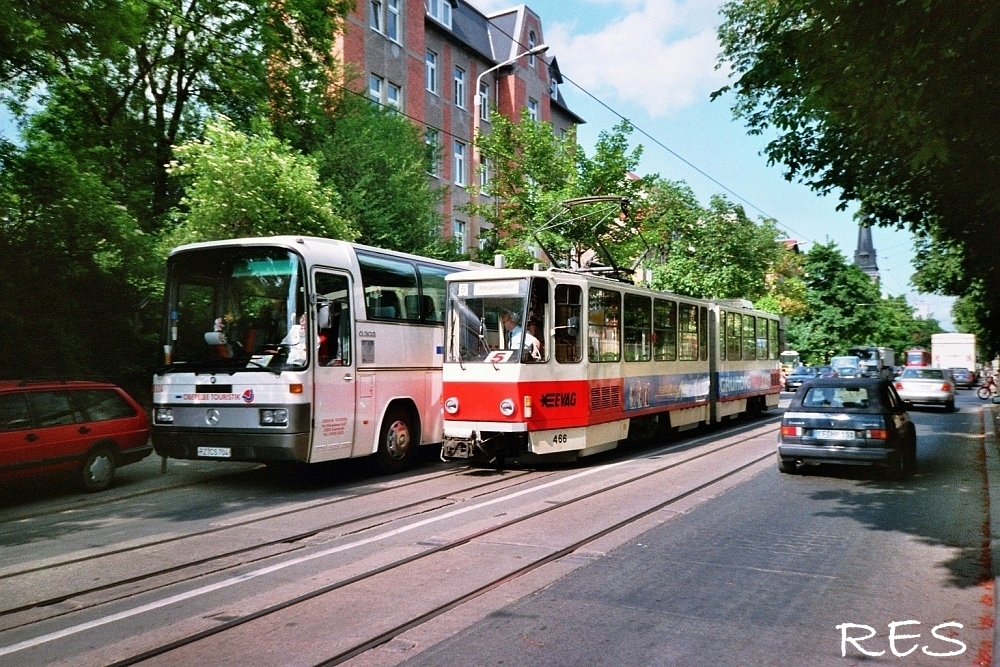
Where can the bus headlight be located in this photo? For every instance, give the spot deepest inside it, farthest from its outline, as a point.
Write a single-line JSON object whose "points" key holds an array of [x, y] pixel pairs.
{"points": [[164, 416], [507, 407], [451, 405], [275, 417]]}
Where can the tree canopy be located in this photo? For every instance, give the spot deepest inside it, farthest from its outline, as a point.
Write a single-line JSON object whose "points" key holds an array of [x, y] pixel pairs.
{"points": [[891, 105]]}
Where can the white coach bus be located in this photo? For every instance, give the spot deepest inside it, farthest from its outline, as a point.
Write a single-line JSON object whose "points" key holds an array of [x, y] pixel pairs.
{"points": [[299, 349]]}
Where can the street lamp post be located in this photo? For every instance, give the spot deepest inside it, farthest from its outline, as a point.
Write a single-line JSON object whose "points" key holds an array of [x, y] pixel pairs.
{"points": [[477, 107]]}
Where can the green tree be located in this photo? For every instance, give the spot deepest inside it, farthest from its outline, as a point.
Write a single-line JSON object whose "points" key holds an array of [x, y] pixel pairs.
{"points": [[239, 185], [921, 153], [718, 253]]}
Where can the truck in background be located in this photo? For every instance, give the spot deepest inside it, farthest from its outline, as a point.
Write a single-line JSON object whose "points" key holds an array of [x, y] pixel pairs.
{"points": [[954, 350], [875, 361]]}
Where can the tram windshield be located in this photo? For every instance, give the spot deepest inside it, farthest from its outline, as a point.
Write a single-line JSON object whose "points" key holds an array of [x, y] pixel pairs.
{"points": [[231, 308], [486, 321]]}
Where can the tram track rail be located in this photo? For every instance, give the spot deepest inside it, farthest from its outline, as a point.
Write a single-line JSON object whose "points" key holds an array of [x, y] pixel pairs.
{"points": [[388, 635], [290, 539]]}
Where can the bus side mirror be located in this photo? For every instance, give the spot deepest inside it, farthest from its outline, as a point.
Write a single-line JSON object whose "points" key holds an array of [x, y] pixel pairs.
{"points": [[323, 316]]}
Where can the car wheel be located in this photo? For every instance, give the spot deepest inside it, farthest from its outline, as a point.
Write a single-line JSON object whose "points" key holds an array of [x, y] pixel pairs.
{"points": [[396, 441], [787, 466], [950, 406], [900, 468], [98, 469]]}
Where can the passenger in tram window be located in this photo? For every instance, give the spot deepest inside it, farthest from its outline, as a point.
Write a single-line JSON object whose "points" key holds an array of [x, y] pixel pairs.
{"points": [[532, 345]]}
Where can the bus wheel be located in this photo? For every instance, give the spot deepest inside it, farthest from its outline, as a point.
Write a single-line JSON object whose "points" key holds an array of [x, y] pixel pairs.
{"points": [[396, 446]]}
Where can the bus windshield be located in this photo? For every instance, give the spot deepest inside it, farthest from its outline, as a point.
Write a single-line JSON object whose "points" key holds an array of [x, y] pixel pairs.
{"points": [[485, 321], [231, 308]]}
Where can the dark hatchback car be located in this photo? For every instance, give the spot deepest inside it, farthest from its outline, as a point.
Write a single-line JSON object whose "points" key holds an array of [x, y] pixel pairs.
{"points": [[89, 428], [854, 421], [799, 375], [963, 377]]}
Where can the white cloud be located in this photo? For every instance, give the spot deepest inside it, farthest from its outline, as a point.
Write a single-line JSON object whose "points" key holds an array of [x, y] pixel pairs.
{"points": [[660, 56]]}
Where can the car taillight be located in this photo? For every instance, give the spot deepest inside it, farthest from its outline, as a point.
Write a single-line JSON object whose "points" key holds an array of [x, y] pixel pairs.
{"points": [[876, 434], [946, 387], [791, 431], [899, 385]]}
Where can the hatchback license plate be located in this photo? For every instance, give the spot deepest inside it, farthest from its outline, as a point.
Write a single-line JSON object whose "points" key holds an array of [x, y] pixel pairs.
{"points": [[216, 452], [834, 435]]}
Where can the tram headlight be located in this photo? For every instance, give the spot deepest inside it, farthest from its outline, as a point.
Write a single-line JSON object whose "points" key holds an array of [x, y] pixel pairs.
{"points": [[451, 405], [274, 417], [164, 416], [507, 407]]}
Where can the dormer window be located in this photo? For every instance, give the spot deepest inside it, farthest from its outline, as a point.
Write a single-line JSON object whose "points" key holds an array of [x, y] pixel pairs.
{"points": [[440, 11]]}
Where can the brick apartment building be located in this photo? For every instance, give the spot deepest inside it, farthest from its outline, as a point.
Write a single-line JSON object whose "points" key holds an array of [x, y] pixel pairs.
{"points": [[425, 57]]}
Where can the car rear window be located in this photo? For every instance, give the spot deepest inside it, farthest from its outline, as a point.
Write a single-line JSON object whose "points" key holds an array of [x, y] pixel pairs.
{"points": [[104, 404], [53, 408], [14, 415], [838, 397], [923, 374]]}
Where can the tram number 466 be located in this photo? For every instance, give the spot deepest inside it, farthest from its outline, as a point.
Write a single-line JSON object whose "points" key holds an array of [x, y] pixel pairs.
{"points": [[560, 439]]}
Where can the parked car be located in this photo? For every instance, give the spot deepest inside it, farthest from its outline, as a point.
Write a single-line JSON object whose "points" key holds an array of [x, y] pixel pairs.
{"points": [[826, 372], [963, 377], [857, 421], [920, 384], [799, 375], [91, 428]]}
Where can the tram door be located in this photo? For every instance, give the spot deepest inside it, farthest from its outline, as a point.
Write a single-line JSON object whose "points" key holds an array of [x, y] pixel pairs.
{"points": [[335, 379]]}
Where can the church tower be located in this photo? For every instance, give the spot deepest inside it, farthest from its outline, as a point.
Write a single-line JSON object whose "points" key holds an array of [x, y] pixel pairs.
{"points": [[865, 255]]}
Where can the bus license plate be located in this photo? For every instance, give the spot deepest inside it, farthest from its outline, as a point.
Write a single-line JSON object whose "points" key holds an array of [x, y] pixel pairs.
{"points": [[834, 435], [216, 452]]}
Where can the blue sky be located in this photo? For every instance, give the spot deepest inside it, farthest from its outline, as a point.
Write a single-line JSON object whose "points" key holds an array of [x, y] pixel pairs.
{"points": [[654, 62]]}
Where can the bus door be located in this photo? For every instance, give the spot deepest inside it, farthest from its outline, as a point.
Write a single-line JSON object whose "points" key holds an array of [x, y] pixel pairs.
{"points": [[335, 379]]}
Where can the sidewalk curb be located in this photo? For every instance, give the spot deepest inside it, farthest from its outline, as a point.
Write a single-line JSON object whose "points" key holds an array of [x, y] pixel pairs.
{"points": [[991, 445]]}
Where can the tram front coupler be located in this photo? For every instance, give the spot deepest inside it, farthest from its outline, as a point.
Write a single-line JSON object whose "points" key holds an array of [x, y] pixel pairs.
{"points": [[480, 449]]}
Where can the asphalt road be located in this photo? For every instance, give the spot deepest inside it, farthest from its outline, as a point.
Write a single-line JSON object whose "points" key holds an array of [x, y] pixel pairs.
{"points": [[778, 571]]}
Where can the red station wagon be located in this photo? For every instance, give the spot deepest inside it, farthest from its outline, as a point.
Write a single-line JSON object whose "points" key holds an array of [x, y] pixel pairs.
{"points": [[90, 427]]}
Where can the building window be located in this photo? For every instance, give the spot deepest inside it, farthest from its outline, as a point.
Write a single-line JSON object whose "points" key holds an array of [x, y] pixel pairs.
{"points": [[431, 69], [484, 101], [458, 163], [532, 43], [432, 139], [459, 87], [392, 20], [376, 16], [440, 11], [394, 96], [553, 88], [484, 173], [533, 109], [375, 86], [462, 235]]}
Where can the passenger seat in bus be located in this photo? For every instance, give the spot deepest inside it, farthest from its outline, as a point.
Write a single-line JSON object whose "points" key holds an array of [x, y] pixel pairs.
{"points": [[383, 304]]}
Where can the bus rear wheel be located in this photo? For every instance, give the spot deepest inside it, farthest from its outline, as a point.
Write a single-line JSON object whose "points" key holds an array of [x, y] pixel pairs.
{"points": [[396, 441]]}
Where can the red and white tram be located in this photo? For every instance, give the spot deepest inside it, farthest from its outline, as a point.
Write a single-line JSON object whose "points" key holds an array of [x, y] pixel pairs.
{"points": [[562, 364]]}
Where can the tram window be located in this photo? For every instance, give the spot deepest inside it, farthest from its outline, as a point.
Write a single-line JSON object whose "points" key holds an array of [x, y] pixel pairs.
{"points": [[772, 339], [388, 282], [722, 335], [567, 323], [733, 329], [432, 292], [637, 333], [761, 338], [664, 330], [687, 326], [749, 337], [603, 313], [703, 333]]}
